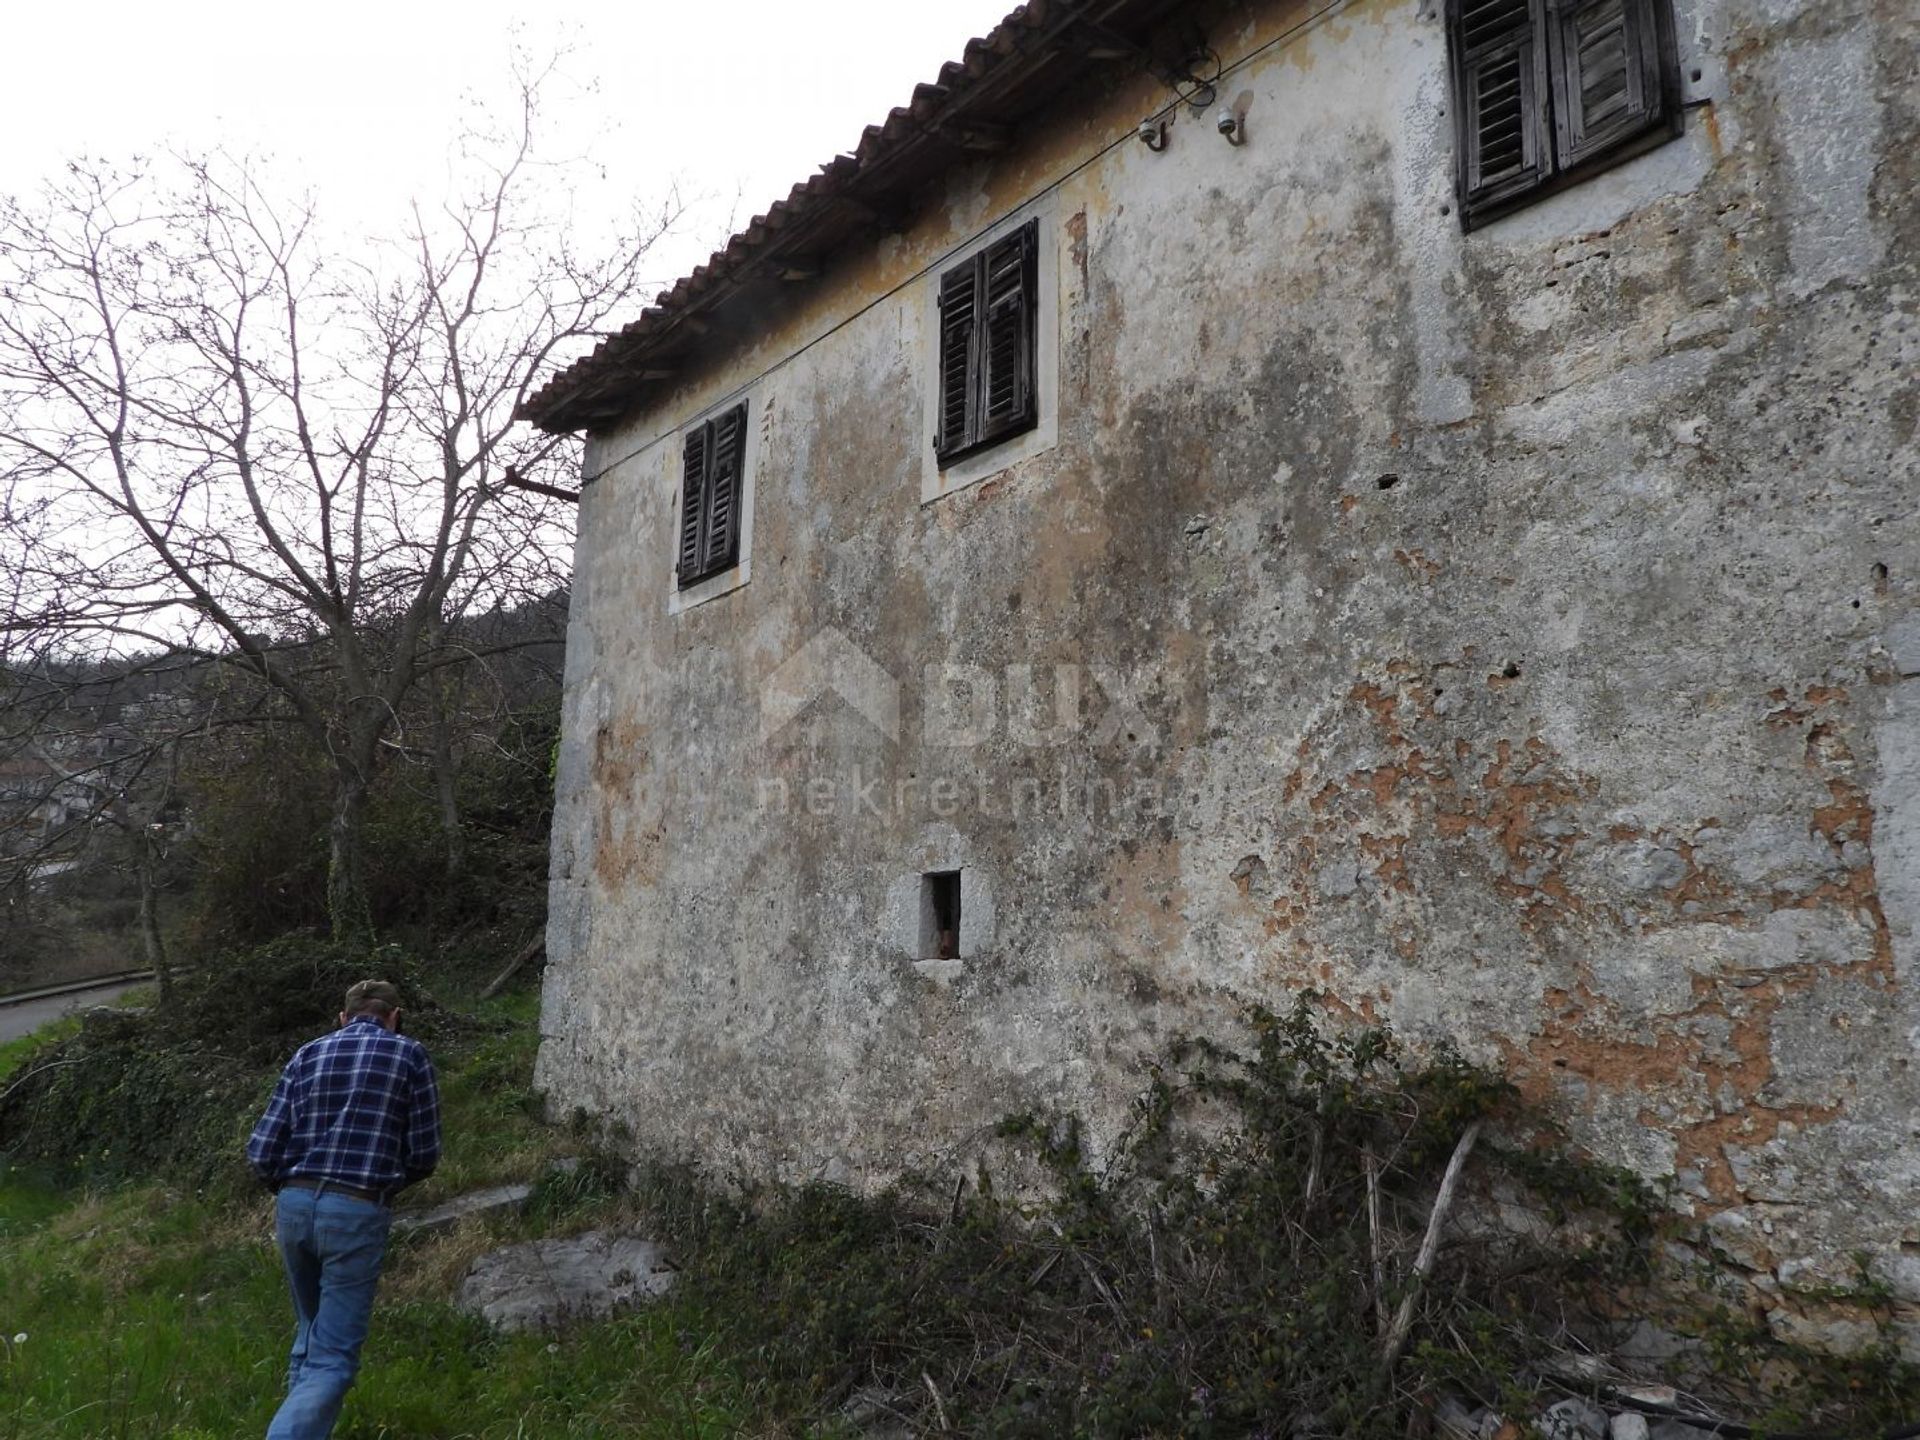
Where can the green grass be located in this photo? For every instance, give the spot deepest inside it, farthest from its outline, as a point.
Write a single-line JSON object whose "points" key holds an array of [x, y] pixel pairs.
{"points": [[149, 1312], [494, 1132], [26, 1202]]}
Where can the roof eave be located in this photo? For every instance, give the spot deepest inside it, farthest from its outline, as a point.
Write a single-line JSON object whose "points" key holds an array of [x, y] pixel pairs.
{"points": [[869, 190]]}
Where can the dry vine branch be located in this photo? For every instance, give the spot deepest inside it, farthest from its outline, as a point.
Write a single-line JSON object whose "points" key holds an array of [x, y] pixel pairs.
{"points": [[1375, 1240], [1429, 1247], [37, 1070], [532, 948]]}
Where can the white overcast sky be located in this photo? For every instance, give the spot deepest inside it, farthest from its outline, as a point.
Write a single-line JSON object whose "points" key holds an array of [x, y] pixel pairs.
{"points": [[734, 99]]}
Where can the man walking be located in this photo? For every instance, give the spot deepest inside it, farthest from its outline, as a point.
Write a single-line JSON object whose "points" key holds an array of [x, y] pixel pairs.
{"points": [[354, 1120]]}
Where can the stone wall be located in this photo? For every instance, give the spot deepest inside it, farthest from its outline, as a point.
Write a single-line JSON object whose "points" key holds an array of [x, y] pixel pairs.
{"points": [[1512, 635]]}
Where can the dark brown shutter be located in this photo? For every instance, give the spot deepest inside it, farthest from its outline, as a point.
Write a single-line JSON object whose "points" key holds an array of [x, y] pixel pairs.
{"points": [[713, 466], [959, 311], [722, 547], [1606, 68], [1500, 99], [1010, 280], [693, 504], [989, 307]]}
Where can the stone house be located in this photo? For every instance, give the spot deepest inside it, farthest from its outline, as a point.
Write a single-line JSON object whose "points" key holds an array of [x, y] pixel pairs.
{"points": [[1408, 498]]}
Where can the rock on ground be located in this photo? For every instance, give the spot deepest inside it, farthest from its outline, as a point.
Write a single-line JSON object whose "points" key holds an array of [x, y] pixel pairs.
{"points": [[1574, 1419], [1454, 1421], [545, 1283]]}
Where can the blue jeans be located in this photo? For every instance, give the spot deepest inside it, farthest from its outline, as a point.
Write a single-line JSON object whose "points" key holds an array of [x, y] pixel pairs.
{"points": [[332, 1245]]}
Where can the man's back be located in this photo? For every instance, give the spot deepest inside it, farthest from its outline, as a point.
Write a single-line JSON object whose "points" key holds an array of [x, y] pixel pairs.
{"points": [[358, 1106]]}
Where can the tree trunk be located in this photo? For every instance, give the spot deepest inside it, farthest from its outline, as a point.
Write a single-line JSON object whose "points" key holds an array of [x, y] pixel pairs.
{"points": [[443, 772], [443, 781], [150, 937], [148, 848], [348, 914]]}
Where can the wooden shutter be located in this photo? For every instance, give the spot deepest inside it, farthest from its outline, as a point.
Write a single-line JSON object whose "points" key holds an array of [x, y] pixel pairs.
{"points": [[1009, 271], [693, 503], [959, 312], [713, 467], [729, 447], [1498, 49], [1606, 57], [989, 309]]}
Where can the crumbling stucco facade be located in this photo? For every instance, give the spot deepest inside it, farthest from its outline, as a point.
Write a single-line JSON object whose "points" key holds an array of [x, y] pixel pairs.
{"points": [[1511, 634]]}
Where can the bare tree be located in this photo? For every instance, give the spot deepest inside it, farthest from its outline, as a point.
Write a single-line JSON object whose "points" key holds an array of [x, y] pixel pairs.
{"points": [[222, 436]]}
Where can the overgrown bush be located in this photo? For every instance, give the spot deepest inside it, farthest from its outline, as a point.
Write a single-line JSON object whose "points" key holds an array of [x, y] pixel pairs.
{"points": [[172, 1092], [258, 1004], [119, 1100], [259, 857], [1214, 1277], [1222, 1274], [259, 849]]}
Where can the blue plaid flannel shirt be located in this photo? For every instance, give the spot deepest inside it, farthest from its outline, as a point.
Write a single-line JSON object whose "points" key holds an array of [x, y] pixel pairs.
{"points": [[358, 1106]]}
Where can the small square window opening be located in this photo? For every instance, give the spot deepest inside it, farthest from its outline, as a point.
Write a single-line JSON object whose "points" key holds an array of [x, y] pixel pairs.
{"points": [[940, 915]]}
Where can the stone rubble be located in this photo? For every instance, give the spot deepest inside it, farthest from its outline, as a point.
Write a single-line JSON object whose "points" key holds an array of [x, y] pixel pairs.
{"points": [[1575, 1420], [1570, 1419]]}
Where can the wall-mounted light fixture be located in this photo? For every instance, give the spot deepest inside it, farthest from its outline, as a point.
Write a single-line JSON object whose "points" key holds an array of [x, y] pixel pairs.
{"points": [[1231, 120], [1153, 133]]}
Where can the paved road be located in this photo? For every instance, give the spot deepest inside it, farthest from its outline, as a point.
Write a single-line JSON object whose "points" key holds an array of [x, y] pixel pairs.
{"points": [[23, 1019]]}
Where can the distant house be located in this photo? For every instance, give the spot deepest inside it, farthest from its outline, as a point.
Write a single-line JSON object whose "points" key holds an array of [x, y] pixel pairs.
{"points": [[1413, 500], [38, 799]]}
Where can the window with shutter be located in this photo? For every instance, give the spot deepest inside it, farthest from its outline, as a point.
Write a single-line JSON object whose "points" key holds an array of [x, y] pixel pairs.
{"points": [[1006, 381], [723, 491], [1548, 91], [713, 462], [988, 312]]}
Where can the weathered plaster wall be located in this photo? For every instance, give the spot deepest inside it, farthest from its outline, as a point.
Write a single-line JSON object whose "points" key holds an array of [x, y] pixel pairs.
{"points": [[1515, 636]]}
